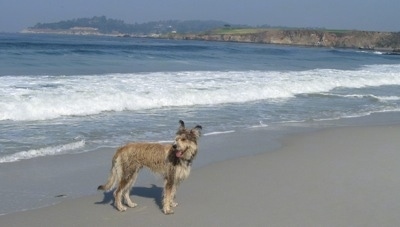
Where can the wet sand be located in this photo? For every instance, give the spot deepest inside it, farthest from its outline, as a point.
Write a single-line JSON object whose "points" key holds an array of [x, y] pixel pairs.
{"points": [[333, 177]]}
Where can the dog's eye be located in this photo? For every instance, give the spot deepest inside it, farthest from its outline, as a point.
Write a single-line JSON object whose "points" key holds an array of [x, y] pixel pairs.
{"points": [[183, 139]]}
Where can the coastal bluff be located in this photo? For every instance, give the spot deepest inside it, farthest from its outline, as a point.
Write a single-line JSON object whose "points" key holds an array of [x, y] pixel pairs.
{"points": [[220, 31], [369, 40], [388, 42]]}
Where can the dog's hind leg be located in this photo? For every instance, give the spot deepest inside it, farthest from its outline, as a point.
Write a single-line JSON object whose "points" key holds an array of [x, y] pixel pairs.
{"points": [[127, 189], [118, 193]]}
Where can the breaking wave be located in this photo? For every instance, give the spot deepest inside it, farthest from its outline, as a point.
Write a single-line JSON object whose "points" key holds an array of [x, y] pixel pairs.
{"points": [[25, 98], [53, 150]]}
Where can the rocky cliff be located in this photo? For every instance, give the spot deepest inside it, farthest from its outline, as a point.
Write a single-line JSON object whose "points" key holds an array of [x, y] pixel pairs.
{"points": [[387, 41]]}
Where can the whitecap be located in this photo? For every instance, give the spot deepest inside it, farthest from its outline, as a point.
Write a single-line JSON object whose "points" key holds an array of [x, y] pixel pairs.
{"points": [[24, 98], [52, 150]]}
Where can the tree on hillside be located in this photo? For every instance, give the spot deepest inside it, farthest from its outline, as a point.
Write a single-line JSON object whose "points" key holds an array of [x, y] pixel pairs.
{"points": [[106, 25]]}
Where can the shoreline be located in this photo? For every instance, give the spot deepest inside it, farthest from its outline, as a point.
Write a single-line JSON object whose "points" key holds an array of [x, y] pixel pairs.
{"points": [[49, 180], [354, 40], [274, 165]]}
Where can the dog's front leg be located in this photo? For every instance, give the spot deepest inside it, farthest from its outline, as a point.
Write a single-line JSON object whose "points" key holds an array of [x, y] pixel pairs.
{"points": [[173, 193], [167, 196]]}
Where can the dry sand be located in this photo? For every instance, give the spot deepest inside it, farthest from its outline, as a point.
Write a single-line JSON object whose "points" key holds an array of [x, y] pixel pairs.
{"points": [[335, 177]]}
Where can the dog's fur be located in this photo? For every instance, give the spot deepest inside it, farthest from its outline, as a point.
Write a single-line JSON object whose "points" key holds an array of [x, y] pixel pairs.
{"points": [[172, 161]]}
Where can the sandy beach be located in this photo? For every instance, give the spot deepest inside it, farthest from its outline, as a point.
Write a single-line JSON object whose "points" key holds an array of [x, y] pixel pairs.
{"points": [[333, 177]]}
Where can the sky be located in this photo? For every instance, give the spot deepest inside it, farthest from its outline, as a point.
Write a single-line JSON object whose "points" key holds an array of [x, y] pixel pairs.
{"points": [[370, 15]]}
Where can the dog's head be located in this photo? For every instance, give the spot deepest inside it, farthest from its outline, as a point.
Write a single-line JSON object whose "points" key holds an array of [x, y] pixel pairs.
{"points": [[185, 144]]}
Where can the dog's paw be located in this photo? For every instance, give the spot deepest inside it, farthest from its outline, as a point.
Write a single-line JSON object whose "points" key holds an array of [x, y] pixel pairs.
{"points": [[132, 205], [121, 208], [174, 204], [168, 211]]}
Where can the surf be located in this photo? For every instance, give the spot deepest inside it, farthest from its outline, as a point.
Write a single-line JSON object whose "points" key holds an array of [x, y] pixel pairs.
{"points": [[32, 98]]}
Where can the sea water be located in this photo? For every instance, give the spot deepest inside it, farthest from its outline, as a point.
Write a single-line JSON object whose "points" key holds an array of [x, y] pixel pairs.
{"points": [[66, 102], [61, 95]]}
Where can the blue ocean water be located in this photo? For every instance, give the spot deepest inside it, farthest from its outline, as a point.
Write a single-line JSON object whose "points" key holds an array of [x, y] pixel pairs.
{"points": [[71, 94]]}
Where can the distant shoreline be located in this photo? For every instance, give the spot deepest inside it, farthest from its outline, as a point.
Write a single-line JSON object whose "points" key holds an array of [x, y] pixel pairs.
{"points": [[366, 40], [71, 31], [212, 30]]}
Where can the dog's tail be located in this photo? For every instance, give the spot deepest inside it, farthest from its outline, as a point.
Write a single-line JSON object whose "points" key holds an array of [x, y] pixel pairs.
{"points": [[115, 176]]}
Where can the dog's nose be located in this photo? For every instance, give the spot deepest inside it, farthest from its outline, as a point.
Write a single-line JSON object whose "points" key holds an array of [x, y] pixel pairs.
{"points": [[174, 146]]}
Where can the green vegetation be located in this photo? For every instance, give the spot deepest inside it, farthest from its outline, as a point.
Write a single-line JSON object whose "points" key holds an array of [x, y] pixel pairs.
{"points": [[228, 30], [337, 31], [108, 26], [221, 31], [248, 30], [237, 31], [105, 25]]}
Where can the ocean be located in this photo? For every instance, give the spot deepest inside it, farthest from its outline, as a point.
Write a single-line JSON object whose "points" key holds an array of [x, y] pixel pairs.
{"points": [[63, 95]]}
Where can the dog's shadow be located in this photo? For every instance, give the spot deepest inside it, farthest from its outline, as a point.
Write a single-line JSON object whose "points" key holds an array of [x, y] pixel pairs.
{"points": [[153, 192]]}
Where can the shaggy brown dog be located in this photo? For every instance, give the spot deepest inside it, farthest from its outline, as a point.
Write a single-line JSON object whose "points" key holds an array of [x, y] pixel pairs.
{"points": [[172, 161]]}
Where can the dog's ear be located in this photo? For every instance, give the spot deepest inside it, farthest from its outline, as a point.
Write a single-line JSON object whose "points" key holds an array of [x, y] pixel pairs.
{"points": [[196, 131], [182, 124], [181, 128]]}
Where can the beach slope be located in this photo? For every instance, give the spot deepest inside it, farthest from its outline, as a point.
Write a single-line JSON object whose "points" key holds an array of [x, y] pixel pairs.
{"points": [[335, 177]]}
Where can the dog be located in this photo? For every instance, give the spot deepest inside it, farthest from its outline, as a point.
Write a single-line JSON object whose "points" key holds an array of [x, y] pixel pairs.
{"points": [[172, 161]]}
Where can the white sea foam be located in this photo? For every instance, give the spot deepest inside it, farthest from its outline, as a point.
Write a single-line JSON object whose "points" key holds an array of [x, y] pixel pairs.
{"points": [[371, 52], [389, 98], [217, 133], [48, 97], [370, 96], [378, 52], [261, 125], [53, 150]]}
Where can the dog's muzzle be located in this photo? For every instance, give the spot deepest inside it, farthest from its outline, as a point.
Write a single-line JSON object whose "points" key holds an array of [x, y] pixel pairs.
{"points": [[178, 153]]}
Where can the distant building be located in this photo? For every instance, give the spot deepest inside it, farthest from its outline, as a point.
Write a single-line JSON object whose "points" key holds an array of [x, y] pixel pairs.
{"points": [[86, 29]]}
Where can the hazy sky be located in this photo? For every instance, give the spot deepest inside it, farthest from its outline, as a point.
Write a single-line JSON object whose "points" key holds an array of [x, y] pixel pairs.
{"points": [[378, 15]]}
